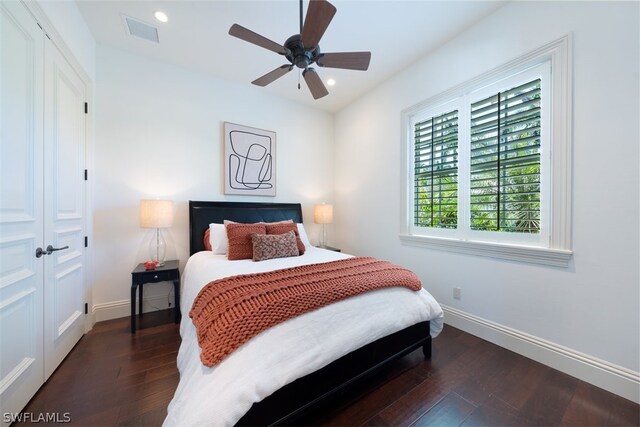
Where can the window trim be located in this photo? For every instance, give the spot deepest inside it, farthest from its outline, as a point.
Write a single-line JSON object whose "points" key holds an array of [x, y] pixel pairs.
{"points": [[559, 253]]}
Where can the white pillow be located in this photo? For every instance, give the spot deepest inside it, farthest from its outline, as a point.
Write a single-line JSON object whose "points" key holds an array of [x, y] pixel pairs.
{"points": [[218, 239], [303, 236]]}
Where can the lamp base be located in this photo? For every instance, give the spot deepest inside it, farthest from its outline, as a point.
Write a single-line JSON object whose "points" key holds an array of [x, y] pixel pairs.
{"points": [[322, 241], [158, 248]]}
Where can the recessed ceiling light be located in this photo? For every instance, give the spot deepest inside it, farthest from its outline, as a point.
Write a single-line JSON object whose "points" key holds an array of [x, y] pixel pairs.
{"points": [[331, 82], [161, 16]]}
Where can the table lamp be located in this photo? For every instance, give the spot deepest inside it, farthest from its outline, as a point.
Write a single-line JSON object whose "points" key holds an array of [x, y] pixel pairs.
{"points": [[323, 214], [157, 214]]}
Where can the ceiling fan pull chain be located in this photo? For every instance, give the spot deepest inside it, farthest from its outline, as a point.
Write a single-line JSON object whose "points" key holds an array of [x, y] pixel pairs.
{"points": [[298, 79]]}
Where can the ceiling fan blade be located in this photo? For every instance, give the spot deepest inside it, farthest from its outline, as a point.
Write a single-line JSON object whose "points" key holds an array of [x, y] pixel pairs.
{"points": [[317, 88], [346, 60], [273, 75], [255, 38], [319, 15]]}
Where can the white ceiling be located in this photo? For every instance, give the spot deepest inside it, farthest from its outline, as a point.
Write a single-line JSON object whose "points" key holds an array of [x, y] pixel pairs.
{"points": [[397, 33]]}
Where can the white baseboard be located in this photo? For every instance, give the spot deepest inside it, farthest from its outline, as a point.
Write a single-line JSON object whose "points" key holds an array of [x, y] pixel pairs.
{"points": [[616, 379], [122, 308]]}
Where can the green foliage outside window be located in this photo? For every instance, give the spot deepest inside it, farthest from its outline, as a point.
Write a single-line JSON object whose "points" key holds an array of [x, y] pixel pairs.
{"points": [[505, 161], [436, 172], [504, 164]]}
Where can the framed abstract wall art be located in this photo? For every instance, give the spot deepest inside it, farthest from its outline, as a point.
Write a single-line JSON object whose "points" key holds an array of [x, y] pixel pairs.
{"points": [[249, 161]]}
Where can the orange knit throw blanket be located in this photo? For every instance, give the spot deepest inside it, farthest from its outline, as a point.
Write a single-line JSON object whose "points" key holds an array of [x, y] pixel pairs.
{"points": [[229, 312]]}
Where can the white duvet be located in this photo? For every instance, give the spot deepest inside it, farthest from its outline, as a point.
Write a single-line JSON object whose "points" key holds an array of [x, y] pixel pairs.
{"points": [[221, 395]]}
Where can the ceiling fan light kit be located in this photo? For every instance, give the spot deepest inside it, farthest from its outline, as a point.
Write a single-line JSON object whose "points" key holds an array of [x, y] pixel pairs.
{"points": [[302, 50]]}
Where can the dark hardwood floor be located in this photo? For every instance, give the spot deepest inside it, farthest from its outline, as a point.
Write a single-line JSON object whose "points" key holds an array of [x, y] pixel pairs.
{"points": [[114, 378]]}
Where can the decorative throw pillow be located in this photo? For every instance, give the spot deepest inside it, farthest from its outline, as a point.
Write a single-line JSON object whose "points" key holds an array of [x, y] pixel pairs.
{"points": [[239, 237], [207, 242], [267, 246], [282, 228], [218, 241], [284, 221]]}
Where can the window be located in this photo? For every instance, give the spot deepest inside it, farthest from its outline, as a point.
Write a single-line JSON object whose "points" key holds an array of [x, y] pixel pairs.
{"points": [[480, 175], [505, 160], [436, 171]]}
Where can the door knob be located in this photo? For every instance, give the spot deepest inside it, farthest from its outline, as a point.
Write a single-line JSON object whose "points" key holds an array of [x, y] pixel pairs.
{"points": [[51, 249]]}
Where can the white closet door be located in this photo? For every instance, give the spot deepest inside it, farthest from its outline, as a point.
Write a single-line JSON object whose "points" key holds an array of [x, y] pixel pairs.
{"points": [[64, 207], [21, 206]]}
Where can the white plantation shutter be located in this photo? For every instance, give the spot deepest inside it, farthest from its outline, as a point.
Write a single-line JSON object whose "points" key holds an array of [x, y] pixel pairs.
{"points": [[480, 175], [505, 161], [436, 171]]}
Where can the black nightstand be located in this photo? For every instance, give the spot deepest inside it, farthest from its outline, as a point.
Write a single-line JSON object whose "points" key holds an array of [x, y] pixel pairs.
{"points": [[169, 272], [330, 248]]}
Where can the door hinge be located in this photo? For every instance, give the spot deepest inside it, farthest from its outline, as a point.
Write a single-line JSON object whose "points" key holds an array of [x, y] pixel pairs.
{"points": [[86, 108], [86, 241], [86, 308], [86, 175]]}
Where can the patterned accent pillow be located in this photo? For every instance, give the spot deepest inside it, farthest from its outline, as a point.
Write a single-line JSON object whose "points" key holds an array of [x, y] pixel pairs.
{"points": [[274, 246], [284, 221], [284, 227], [239, 236]]}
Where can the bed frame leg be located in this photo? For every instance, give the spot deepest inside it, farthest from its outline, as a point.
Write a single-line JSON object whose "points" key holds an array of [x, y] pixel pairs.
{"points": [[426, 349]]}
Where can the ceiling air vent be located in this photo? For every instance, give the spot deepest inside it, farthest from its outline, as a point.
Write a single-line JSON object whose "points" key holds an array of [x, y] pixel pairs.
{"points": [[141, 29]]}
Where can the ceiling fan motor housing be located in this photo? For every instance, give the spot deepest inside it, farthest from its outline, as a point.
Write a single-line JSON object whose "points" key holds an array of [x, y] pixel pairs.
{"points": [[298, 55]]}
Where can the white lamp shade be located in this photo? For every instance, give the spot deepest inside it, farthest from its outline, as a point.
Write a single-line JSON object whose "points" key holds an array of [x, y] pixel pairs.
{"points": [[156, 213], [323, 214]]}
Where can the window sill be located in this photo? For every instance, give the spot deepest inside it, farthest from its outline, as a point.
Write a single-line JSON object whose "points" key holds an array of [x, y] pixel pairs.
{"points": [[528, 254]]}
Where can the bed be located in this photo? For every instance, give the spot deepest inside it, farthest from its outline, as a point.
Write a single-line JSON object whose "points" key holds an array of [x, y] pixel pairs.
{"points": [[285, 372]]}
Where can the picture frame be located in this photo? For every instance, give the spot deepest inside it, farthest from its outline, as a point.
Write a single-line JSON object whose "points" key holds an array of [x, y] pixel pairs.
{"points": [[249, 161]]}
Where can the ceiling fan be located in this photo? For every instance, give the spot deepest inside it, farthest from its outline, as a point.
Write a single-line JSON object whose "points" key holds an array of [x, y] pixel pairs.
{"points": [[302, 50]]}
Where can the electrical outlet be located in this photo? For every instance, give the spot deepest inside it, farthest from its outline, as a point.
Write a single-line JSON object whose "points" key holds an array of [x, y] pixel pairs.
{"points": [[457, 293]]}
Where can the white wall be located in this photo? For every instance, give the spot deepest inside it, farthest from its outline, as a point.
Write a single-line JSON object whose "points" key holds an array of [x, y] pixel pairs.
{"points": [[592, 307], [159, 134]]}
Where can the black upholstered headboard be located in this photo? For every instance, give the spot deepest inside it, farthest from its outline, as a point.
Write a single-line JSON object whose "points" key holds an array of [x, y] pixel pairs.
{"points": [[201, 214]]}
